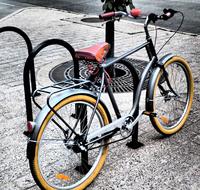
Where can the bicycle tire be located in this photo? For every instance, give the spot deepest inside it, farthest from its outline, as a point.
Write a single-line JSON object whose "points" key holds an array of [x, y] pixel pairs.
{"points": [[55, 175], [172, 112]]}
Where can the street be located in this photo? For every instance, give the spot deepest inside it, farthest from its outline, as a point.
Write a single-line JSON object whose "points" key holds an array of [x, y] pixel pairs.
{"points": [[190, 9]]}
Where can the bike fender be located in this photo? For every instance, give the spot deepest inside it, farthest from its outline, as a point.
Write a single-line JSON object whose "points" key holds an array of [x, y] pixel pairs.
{"points": [[55, 100], [152, 80]]}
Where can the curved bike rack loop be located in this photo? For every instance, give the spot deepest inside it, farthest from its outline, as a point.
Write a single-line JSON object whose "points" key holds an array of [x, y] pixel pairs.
{"points": [[29, 48], [29, 65]]}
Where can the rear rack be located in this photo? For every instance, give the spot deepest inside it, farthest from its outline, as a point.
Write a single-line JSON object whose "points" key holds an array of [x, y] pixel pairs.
{"points": [[59, 87]]}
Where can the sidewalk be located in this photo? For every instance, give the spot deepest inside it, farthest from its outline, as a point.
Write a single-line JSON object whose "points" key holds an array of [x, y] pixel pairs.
{"points": [[170, 163]]}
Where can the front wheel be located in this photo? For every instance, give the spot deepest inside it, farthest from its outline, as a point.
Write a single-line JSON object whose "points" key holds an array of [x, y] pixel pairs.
{"points": [[172, 105], [55, 162]]}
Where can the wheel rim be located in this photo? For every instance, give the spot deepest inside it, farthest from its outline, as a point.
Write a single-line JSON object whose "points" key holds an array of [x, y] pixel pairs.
{"points": [[52, 161], [171, 109]]}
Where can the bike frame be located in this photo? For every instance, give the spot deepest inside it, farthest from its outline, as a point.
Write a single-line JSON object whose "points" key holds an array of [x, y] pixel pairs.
{"points": [[117, 125], [152, 63], [150, 49]]}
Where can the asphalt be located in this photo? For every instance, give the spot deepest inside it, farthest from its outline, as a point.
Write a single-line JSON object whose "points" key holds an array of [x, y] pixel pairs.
{"points": [[163, 163]]}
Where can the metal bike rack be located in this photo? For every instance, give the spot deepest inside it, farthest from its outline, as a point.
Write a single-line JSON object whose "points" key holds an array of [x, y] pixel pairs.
{"points": [[110, 38], [29, 65], [29, 68]]}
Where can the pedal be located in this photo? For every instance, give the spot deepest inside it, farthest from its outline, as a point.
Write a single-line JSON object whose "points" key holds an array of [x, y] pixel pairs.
{"points": [[151, 114]]}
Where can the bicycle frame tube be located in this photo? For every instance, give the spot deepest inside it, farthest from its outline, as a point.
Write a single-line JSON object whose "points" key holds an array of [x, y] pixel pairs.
{"points": [[138, 90], [108, 64], [153, 59]]}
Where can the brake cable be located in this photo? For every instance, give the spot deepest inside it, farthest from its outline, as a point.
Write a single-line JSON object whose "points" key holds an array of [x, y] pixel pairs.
{"points": [[181, 23]]}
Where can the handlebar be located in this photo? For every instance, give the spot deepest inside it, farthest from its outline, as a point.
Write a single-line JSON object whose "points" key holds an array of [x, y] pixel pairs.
{"points": [[168, 13], [136, 13], [110, 15]]}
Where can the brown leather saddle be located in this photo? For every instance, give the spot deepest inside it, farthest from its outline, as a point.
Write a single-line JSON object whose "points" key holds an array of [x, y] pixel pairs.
{"points": [[95, 53]]}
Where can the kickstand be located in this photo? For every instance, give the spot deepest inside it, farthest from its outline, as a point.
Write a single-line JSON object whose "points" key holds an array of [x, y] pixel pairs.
{"points": [[135, 144]]}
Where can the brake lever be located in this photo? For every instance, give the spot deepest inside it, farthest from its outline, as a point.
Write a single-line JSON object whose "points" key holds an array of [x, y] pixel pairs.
{"points": [[172, 11]]}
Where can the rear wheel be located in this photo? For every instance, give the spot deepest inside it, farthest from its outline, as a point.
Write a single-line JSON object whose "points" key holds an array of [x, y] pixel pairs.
{"points": [[172, 108], [54, 163]]}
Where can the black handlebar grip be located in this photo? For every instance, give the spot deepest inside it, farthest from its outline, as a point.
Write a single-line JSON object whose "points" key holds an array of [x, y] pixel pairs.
{"points": [[172, 11], [168, 13]]}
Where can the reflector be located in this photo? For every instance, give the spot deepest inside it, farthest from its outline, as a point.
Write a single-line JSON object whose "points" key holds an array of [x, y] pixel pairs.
{"points": [[62, 177]]}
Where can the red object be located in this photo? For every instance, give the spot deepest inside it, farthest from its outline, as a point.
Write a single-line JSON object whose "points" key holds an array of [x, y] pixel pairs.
{"points": [[30, 126], [94, 53], [135, 12]]}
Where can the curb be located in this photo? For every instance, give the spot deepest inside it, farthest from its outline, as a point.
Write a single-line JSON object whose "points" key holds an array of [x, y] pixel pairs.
{"points": [[38, 7], [13, 14]]}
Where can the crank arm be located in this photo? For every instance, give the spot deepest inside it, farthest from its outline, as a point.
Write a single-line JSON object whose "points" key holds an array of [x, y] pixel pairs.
{"points": [[112, 128], [107, 129]]}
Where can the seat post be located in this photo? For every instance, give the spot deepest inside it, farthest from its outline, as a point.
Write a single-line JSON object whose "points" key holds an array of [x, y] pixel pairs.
{"points": [[110, 37]]}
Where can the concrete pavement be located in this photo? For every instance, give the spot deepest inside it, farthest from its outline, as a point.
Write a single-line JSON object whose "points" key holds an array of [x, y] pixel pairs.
{"points": [[170, 163]]}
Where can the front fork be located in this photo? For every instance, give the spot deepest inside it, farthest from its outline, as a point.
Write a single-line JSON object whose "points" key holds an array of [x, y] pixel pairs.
{"points": [[165, 92]]}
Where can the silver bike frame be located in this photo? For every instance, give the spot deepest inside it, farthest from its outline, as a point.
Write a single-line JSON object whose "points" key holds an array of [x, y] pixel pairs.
{"points": [[119, 123]]}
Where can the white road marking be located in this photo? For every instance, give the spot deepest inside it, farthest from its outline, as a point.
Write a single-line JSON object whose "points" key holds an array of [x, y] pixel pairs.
{"points": [[7, 4]]}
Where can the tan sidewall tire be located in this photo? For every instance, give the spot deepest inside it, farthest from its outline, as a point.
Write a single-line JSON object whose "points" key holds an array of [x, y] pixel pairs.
{"points": [[155, 120], [45, 122]]}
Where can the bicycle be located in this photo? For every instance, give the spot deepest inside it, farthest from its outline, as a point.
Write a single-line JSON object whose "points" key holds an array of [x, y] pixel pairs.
{"points": [[69, 138]]}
